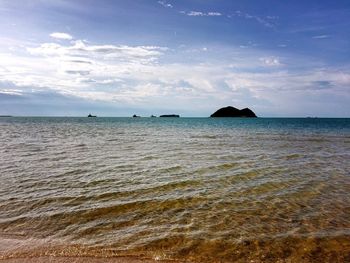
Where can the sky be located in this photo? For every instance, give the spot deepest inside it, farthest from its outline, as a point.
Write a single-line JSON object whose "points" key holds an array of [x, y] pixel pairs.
{"points": [[187, 57]]}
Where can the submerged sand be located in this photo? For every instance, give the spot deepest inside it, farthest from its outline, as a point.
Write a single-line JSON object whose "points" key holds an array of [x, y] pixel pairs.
{"points": [[77, 260], [201, 190], [18, 250]]}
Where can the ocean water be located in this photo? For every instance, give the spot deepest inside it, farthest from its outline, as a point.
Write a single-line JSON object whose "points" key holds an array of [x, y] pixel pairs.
{"points": [[196, 189]]}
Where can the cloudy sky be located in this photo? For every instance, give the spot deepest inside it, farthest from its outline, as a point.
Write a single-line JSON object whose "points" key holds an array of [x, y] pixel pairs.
{"points": [[117, 58]]}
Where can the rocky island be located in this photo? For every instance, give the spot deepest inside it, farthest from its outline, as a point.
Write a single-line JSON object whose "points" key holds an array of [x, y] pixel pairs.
{"points": [[230, 111], [170, 116]]}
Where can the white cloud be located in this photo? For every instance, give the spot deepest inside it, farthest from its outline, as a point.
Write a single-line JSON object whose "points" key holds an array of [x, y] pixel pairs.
{"points": [[258, 19], [321, 37], [78, 66], [60, 35], [79, 50], [195, 13], [271, 61], [165, 4], [214, 14], [198, 13], [266, 21], [272, 17], [11, 92], [142, 75]]}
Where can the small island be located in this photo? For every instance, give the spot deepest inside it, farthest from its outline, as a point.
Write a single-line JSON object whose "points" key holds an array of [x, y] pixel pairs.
{"points": [[91, 116], [230, 111], [170, 116]]}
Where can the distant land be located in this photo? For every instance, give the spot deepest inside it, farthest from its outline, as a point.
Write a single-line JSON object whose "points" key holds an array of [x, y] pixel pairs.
{"points": [[170, 115], [230, 111]]}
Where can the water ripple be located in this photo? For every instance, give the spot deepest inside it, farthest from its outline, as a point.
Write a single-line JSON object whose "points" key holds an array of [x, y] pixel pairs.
{"points": [[191, 189]]}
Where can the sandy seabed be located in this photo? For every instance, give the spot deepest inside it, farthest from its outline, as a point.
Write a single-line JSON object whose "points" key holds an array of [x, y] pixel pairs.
{"points": [[17, 249], [13, 250], [77, 260]]}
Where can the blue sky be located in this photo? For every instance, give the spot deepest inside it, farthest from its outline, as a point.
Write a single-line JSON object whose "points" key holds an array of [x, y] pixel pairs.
{"points": [[117, 58]]}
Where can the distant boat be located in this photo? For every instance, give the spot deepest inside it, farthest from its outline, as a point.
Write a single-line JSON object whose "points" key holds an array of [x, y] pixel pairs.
{"points": [[152, 116], [91, 116], [135, 116], [170, 116]]}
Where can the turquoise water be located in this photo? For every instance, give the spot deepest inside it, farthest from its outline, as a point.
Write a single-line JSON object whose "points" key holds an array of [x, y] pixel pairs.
{"points": [[177, 188]]}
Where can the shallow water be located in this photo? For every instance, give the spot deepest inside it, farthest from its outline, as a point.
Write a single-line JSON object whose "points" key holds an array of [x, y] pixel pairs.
{"points": [[178, 188]]}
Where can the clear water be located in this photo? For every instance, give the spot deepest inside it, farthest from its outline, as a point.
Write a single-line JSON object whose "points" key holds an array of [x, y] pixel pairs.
{"points": [[198, 189]]}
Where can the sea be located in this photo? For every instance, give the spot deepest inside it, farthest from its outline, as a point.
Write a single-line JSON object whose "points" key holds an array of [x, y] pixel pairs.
{"points": [[180, 189]]}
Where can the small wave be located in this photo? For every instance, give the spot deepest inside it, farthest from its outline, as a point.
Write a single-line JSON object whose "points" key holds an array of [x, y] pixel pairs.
{"points": [[204, 137], [80, 145]]}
